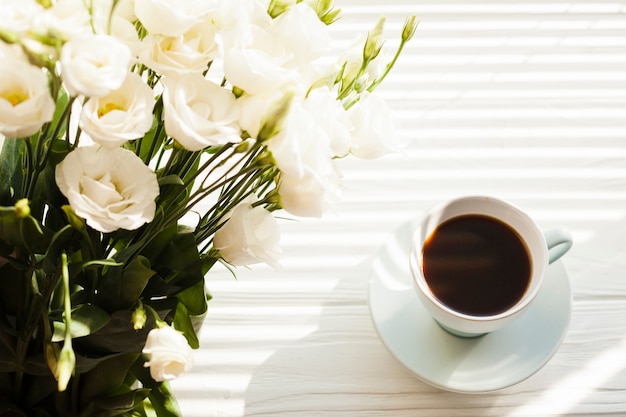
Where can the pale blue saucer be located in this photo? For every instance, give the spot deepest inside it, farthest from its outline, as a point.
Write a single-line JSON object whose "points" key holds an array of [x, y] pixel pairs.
{"points": [[488, 363]]}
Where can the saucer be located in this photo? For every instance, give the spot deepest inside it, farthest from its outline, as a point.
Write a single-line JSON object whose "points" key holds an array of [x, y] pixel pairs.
{"points": [[488, 363]]}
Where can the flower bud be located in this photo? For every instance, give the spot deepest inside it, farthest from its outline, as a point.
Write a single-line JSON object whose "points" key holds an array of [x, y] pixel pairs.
{"points": [[409, 28], [278, 7], [9, 37], [374, 42], [75, 221], [139, 318], [275, 118], [22, 209], [65, 366]]}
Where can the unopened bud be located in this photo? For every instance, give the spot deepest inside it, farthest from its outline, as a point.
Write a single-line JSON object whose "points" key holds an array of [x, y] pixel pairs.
{"points": [[275, 119], [374, 42], [243, 147], [409, 28], [22, 209], [139, 318], [74, 220], [278, 7], [9, 37], [65, 366]]}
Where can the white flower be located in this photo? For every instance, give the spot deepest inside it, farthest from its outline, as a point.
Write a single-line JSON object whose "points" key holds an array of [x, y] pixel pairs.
{"points": [[170, 18], [302, 145], [110, 188], [251, 235], [123, 30], [266, 54], [94, 65], [302, 150], [170, 355], [187, 53], [374, 133], [234, 15], [122, 115], [254, 110], [198, 113], [331, 116], [304, 35], [70, 18], [17, 15], [25, 101], [309, 195], [255, 61]]}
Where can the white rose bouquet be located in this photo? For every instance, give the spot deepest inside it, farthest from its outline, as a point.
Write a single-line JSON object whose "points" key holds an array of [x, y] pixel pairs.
{"points": [[142, 142]]}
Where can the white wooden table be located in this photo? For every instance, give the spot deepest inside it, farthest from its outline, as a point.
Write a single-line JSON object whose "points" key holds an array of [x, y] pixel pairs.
{"points": [[520, 99]]}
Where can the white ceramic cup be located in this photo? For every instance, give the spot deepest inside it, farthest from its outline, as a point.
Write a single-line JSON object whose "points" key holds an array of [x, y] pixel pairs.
{"points": [[543, 249]]}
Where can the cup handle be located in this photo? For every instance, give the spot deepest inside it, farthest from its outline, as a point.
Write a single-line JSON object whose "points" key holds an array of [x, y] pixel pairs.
{"points": [[559, 241]]}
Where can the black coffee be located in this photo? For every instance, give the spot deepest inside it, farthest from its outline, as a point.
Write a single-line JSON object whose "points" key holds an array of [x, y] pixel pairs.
{"points": [[476, 265]]}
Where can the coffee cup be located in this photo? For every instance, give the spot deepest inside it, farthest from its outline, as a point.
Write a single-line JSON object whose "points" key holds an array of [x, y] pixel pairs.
{"points": [[478, 263]]}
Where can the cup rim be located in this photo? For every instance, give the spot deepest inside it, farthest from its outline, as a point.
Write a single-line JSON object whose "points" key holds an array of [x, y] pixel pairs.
{"points": [[537, 268]]}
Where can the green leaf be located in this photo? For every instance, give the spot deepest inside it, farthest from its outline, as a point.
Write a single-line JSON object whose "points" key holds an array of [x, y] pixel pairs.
{"points": [[86, 319], [191, 312], [195, 299], [171, 180], [98, 263], [57, 245], [122, 287], [22, 232], [181, 255], [152, 140], [10, 169], [10, 410], [183, 322], [117, 336], [161, 397], [176, 261], [7, 352], [106, 378]]}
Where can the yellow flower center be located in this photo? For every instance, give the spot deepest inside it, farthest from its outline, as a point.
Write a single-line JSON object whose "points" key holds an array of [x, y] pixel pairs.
{"points": [[108, 107], [15, 96]]}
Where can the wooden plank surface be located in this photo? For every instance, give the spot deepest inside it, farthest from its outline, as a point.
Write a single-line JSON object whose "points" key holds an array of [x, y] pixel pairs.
{"points": [[525, 100]]}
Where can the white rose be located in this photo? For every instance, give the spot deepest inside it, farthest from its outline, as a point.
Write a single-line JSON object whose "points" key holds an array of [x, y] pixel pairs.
{"points": [[309, 195], [198, 113], [110, 188], [301, 146], [374, 133], [122, 115], [169, 354], [25, 101], [234, 15], [70, 18], [104, 11], [305, 36], [94, 65], [302, 150], [254, 110], [17, 15], [255, 60], [251, 235], [190, 52], [169, 18], [331, 116], [124, 30]]}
